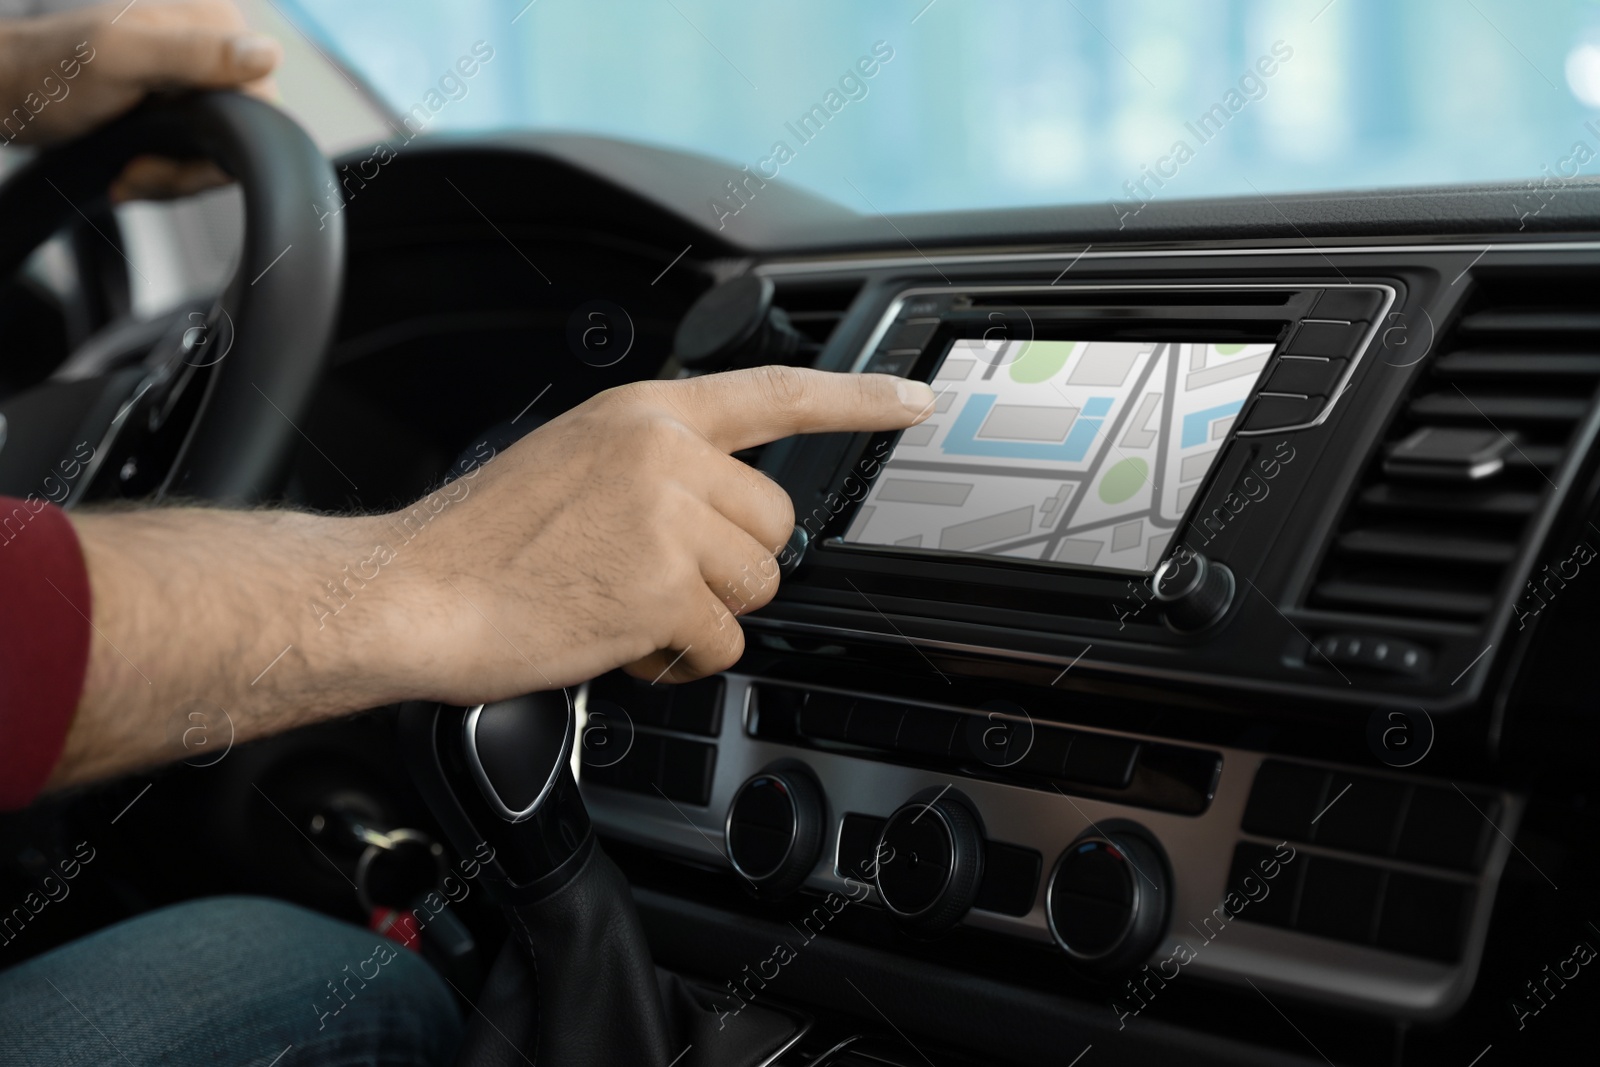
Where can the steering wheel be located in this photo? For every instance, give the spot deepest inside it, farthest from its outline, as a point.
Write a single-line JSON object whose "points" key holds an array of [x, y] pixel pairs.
{"points": [[212, 411]]}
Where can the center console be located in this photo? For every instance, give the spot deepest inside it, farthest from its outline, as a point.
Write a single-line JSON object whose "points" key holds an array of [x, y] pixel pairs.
{"points": [[1177, 640]]}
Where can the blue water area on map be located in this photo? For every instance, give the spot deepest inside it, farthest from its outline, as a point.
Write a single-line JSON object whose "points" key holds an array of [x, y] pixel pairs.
{"points": [[962, 439], [1197, 424]]}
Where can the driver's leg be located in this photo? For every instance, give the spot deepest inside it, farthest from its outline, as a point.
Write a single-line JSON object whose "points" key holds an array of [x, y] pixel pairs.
{"points": [[228, 980]]}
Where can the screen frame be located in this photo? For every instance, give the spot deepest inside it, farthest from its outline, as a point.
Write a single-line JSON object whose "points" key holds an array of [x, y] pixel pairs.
{"points": [[827, 475]]}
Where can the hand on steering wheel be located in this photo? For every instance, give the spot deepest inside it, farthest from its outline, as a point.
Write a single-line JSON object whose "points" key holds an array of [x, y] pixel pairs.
{"points": [[65, 74], [217, 426]]}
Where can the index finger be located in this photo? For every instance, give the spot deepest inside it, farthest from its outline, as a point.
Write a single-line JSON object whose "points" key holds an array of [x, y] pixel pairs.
{"points": [[744, 408]]}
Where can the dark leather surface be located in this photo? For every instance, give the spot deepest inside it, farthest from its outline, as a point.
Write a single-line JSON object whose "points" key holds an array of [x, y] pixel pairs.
{"points": [[596, 996], [577, 988], [502, 1023], [714, 1029]]}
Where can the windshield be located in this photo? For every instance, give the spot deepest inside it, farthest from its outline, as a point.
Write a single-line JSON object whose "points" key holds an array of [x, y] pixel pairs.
{"points": [[956, 104]]}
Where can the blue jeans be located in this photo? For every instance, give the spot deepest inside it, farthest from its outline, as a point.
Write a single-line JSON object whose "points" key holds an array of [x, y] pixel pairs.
{"points": [[229, 980]]}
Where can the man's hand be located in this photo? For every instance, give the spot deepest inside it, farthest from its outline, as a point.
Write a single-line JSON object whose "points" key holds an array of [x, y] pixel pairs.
{"points": [[623, 532], [620, 533], [63, 75]]}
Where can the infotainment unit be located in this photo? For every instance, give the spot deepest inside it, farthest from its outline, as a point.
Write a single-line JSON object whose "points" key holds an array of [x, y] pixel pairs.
{"points": [[1084, 452], [1087, 439]]}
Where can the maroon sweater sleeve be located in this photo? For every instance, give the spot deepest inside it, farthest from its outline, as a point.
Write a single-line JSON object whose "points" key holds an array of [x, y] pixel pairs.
{"points": [[44, 642]]}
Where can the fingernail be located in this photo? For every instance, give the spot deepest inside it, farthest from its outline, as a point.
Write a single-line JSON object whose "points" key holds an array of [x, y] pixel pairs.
{"points": [[916, 397], [254, 52]]}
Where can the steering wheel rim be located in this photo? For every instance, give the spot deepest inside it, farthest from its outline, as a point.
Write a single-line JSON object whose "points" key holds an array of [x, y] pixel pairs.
{"points": [[281, 303]]}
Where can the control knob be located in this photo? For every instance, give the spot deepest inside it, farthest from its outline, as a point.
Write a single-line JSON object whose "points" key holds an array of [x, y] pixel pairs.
{"points": [[1193, 592], [1108, 899], [775, 828], [931, 861]]}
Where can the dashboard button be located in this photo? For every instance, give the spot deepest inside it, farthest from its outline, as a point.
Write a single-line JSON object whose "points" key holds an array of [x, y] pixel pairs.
{"points": [[858, 843], [1047, 755], [696, 707], [911, 333], [1096, 759], [646, 705], [1273, 412], [1361, 814], [1338, 899], [928, 732], [686, 768], [1010, 879], [1334, 340], [1178, 778], [925, 306], [1374, 652], [609, 774], [640, 769], [1305, 375], [897, 363], [1424, 916], [874, 724], [1447, 829], [1350, 305], [1267, 899], [1284, 800], [826, 716]]}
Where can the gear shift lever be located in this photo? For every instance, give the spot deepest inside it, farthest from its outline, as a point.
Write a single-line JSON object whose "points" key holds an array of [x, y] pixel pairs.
{"points": [[501, 774]]}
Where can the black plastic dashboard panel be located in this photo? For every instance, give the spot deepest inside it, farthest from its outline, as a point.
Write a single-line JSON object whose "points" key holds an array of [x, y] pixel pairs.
{"points": [[920, 325], [1366, 969], [1271, 646], [794, 223], [1254, 691]]}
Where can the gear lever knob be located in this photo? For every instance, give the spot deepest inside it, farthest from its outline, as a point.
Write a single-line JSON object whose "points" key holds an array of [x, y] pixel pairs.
{"points": [[501, 773]]}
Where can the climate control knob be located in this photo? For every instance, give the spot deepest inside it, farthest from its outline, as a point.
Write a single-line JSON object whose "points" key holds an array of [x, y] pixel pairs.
{"points": [[931, 861], [1107, 900], [775, 829]]}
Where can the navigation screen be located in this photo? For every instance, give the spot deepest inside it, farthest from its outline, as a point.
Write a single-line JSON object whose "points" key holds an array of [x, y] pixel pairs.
{"points": [[1078, 452]]}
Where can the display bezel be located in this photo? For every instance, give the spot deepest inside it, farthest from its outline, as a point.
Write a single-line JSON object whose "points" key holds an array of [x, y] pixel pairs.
{"points": [[1209, 314]]}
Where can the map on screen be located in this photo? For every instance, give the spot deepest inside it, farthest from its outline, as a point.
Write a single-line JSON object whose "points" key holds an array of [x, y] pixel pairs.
{"points": [[1080, 452]]}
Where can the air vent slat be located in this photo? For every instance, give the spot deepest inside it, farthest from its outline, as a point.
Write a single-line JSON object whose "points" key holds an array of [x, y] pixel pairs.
{"points": [[1463, 406], [1398, 600], [1543, 458], [1528, 321], [1527, 365], [1425, 545], [1443, 508], [1456, 499], [816, 308]]}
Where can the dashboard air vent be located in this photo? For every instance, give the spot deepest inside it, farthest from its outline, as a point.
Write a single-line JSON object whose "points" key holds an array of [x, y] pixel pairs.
{"points": [[1442, 510], [815, 308]]}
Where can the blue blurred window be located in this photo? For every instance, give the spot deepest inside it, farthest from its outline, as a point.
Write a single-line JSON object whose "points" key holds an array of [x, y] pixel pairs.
{"points": [[989, 103]]}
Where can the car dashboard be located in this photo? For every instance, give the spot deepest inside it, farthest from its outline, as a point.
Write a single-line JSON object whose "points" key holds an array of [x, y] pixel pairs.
{"points": [[1294, 776]]}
